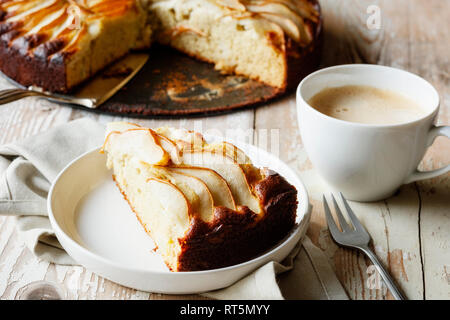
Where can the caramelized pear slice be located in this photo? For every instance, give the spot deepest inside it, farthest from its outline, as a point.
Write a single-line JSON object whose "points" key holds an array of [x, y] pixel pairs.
{"points": [[167, 144], [291, 29], [200, 197], [305, 9], [164, 201], [232, 4], [283, 15], [218, 187], [229, 170], [170, 147], [145, 146], [185, 139], [229, 150]]}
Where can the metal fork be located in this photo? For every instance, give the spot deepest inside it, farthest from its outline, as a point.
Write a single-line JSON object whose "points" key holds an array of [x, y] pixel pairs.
{"points": [[356, 237], [10, 95]]}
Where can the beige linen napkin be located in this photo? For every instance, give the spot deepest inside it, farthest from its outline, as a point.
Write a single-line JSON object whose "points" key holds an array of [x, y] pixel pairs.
{"points": [[27, 169]]}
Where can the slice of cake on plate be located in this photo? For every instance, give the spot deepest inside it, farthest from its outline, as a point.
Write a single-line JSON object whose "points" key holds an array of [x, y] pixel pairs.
{"points": [[204, 205]]}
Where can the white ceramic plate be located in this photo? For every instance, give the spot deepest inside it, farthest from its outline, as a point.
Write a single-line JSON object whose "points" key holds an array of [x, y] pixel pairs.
{"points": [[96, 227]]}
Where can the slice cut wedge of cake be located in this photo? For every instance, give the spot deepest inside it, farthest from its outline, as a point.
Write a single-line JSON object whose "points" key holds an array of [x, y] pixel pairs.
{"points": [[202, 208]]}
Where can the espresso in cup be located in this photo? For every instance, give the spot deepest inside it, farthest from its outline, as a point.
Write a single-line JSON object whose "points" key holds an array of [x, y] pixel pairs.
{"points": [[367, 105]]}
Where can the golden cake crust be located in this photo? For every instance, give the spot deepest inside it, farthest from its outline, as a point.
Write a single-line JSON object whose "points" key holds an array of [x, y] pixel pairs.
{"points": [[51, 43]]}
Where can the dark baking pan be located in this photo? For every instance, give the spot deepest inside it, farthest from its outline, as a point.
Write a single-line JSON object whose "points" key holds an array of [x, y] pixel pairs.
{"points": [[174, 84]]}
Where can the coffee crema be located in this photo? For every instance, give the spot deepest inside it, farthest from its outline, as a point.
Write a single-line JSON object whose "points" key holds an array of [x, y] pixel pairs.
{"points": [[367, 105]]}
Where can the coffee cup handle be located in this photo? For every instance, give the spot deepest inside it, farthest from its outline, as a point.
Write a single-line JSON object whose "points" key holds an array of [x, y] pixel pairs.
{"points": [[422, 175]]}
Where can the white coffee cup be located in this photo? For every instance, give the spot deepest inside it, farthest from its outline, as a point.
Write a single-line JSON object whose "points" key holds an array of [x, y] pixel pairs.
{"points": [[368, 162]]}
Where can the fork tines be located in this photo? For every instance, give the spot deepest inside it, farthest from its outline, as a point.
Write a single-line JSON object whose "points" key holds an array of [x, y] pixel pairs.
{"points": [[355, 228]]}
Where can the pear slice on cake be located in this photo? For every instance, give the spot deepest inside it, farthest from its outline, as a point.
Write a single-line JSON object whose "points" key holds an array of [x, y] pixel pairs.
{"points": [[196, 191], [229, 170], [146, 146], [217, 185], [161, 207], [205, 205]]}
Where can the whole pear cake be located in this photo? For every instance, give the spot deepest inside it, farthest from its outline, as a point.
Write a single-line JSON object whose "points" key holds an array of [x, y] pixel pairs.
{"points": [[204, 205], [58, 44]]}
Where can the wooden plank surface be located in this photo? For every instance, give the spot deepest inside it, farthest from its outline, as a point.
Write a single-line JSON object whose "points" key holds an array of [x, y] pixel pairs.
{"points": [[410, 231]]}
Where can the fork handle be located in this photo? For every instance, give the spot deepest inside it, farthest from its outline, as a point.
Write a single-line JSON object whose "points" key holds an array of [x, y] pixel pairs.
{"points": [[10, 95], [384, 274]]}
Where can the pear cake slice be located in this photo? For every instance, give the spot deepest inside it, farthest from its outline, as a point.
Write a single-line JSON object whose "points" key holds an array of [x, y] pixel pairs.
{"points": [[204, 205]]}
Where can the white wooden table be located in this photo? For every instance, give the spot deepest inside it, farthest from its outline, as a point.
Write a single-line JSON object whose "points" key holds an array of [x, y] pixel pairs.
{"points": [[410, 231]]}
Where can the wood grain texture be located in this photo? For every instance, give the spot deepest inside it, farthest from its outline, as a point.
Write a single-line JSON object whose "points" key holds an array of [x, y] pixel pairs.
{"points": [[429, 57], [410, 231]]}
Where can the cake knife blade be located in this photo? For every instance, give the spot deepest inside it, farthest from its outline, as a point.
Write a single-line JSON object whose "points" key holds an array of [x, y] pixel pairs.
{"points": [[90, 94]]}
